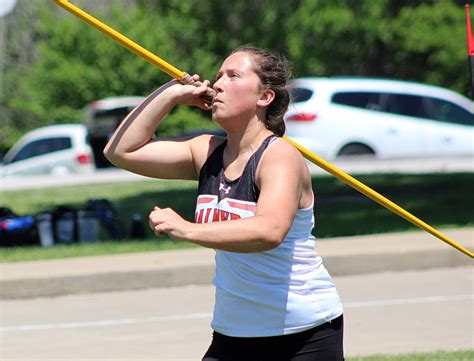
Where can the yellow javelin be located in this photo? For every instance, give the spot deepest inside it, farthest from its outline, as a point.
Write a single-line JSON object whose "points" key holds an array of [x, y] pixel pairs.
{"points": [[185, 78], [377, 197]]}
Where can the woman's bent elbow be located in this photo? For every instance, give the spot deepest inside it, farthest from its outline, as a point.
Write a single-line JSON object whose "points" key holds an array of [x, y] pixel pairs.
{"points": [[108, 154], [111, 156], [274, 239]]}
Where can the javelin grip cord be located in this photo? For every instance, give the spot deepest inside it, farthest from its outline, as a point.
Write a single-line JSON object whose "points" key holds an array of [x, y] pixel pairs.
{"points": [[185, 78]]}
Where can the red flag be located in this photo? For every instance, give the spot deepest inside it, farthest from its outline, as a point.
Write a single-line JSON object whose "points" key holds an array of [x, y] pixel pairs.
{"points": [[470, 42], [470, 49]]}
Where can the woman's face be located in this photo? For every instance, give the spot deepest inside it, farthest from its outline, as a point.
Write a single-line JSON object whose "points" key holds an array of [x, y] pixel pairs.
{"points": [[237, 89]]}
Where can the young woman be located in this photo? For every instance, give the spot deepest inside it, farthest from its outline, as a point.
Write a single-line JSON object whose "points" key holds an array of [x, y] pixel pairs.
{"points": [[274, 298]]}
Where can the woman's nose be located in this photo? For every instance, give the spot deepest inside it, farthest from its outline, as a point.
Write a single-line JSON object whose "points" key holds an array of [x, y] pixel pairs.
{"points": [[218, 85]]}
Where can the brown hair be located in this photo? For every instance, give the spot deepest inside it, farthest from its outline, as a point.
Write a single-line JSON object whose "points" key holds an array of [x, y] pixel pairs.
{"points": [[274, 72]]}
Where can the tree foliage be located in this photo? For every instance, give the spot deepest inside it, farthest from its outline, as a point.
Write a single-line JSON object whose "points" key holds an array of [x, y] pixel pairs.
{"points": [[412, 40], [56, 64]]}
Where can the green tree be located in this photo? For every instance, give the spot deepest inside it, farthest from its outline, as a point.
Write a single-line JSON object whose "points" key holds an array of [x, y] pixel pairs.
{"points": [[431, 39], [413, 40], [76, 64], [56, 64]]}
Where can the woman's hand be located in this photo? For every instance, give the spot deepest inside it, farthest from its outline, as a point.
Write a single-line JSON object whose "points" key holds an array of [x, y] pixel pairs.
{"points": [[167, 222], [192, 94]]}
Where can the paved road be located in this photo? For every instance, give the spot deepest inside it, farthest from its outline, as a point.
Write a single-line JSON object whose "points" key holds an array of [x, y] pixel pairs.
{"points": [[392, 312], [353, 166]]}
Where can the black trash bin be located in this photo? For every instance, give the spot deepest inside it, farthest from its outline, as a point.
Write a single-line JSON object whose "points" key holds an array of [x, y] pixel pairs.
{"points": [[87, 226], [64, 225], [45, 226]]}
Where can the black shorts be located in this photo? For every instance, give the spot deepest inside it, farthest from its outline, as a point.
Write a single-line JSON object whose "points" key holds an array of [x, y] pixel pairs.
{"points": [[324, 342]]}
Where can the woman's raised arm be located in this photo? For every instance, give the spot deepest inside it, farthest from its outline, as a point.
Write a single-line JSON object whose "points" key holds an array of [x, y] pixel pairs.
{"points": [[133, 148]]}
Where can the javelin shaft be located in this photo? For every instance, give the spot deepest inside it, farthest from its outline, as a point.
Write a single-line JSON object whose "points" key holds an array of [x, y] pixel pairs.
{"points": [[123, 40], [377, 197], [180, 75]]}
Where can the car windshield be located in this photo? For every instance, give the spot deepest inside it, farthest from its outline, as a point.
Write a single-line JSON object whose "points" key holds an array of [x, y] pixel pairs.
{"points": [[300, 94], [41, 147]]}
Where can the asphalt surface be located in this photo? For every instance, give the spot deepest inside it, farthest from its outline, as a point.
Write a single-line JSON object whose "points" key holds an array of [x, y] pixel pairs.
{"points": [[384, 313]]}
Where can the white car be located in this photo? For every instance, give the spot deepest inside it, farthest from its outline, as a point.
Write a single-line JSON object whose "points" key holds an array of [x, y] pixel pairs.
{"points": [[335, 117], [56, 149]]}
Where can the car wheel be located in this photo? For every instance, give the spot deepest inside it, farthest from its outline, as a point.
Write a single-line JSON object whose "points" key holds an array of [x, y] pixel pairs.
{"points": [[355, 149]]}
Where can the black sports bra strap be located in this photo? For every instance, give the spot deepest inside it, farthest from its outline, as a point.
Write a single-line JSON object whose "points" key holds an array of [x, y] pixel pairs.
{"points": [[255, 159]]}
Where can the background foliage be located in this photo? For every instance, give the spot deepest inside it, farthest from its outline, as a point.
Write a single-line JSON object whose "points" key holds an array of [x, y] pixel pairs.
{"points": [[55, 64]]}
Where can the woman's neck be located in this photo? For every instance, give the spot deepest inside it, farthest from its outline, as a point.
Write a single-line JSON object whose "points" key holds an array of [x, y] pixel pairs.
{"points": [[246, 141]]}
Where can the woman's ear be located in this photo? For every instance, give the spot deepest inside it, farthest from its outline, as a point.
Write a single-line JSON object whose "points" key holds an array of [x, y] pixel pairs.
{"points": [[266, 98]]}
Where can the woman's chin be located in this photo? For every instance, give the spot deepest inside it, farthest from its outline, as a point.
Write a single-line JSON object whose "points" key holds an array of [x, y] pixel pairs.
{"points": [[223, 123], [218, 118]]}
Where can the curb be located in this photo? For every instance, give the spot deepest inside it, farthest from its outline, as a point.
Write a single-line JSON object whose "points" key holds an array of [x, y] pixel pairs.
{"points": [[105, 282], [341, 256]]}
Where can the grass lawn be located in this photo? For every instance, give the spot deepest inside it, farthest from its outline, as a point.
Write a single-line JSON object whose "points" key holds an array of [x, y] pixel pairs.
{"points": [[432, 356], [441, 200]]}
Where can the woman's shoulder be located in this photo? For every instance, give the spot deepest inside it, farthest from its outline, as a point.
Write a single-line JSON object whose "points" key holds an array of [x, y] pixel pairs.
{"points": [[283, 164], [282, 148], [281, 156]]}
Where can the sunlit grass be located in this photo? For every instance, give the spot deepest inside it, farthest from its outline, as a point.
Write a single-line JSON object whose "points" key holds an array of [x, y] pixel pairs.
{"points": [[441, 200], [16, 254], [467, 355]]}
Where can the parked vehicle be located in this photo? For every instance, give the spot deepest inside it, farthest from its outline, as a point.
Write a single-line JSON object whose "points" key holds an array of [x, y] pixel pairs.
{"points": [[335, 117], [102, 117], [56, 149]]}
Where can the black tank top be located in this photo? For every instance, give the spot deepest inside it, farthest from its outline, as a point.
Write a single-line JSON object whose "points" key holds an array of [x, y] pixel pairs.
{"points": [[220, 198]]}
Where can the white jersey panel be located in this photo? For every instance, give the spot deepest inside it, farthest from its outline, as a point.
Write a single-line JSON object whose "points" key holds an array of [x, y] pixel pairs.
{"points": [[281, 291]]}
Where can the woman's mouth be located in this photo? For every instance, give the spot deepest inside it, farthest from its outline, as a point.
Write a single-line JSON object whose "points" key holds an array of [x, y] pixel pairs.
{"points": [[215, 100]]}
